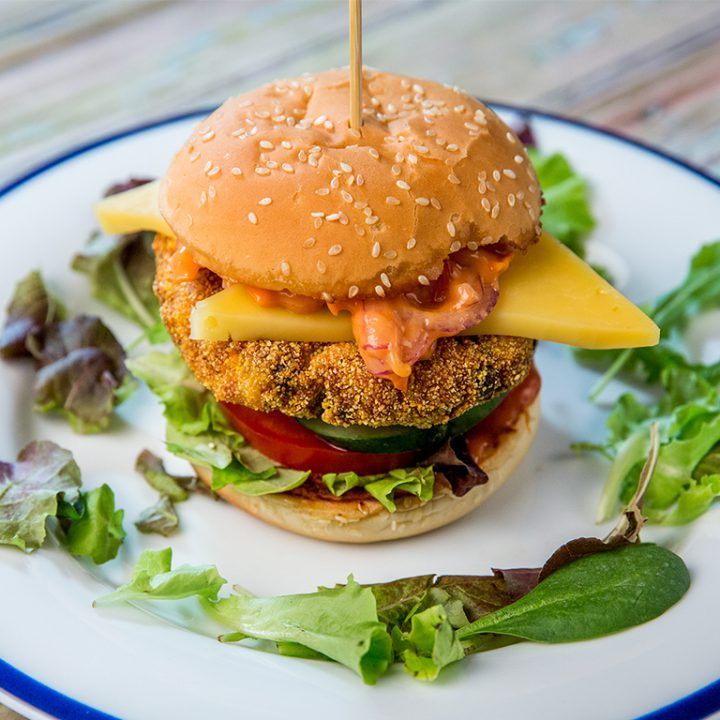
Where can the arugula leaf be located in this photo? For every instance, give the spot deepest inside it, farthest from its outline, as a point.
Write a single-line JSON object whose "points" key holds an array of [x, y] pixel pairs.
{"points": [[81, 371], [431, 644], [95, 528], [198, 431], [566, 213], [154, 579], [339, 623], [29, 492], [418, 481], [596, 595], [160, 518], [30, 309]]}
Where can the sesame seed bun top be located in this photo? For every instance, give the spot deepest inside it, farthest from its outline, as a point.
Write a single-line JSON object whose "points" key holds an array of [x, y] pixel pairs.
{"points": [[274, 190]]}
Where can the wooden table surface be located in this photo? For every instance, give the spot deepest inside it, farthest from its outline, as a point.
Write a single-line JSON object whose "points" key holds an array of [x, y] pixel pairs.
{"points": [[71, 71]]}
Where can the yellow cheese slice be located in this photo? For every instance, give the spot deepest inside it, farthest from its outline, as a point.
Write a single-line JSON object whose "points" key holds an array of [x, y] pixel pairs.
{"points": [[132, 211], [547, 294]]}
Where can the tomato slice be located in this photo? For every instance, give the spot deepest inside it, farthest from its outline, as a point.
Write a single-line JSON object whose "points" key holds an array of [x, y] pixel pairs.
{"points": [[284, 440]]}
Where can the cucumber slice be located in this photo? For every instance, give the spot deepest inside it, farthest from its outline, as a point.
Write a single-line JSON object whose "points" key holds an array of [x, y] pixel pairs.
{"points": [[398, 438]]}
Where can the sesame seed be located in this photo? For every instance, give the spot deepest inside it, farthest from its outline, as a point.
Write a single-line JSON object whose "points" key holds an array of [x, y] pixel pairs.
{"points": [[353, 290], [459, 108], [510, 137], [371, 219], [418, 89], [486, 204], [262, 114], [236, 171], [262, 171], [374, 153], [359, 179], [207, 166], [455, 246], [435, 203], [266, 145], [509, 173], [332, 216], [411, 243], [355, 133], [395, 169], [496, 175], [451, 147], [252, 217], [321, 267], [390, 200], [472, 126], [422, 279], [375, 252], [511, 200], [495, 211], [390, 254], [284, 268], [454, 179], [309, 242], [472, 245], [402, 184], [421, 149], [265, 201], [335, 250], [519, 159], [271, 164], [422, 201], [288, 168], [488, 240], [399, 157], [359, 230], [451, 229], [328, 125], [194, 157], [287, 144], [346, 196], [385, 280], [203, 197], [215, 171], [345, 167], [208, 136], [317, 223], [334, 183], [211, 192], [322, 191], [368, 211], [317, 214], [360, 204], [412, 159], [380, 290]]}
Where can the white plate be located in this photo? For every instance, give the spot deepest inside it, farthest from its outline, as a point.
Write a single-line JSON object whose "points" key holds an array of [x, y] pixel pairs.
{"points": [[654, 212]]}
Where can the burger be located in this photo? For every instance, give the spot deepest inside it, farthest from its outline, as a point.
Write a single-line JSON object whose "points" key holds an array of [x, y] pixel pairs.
{"points": [[364, 303]]}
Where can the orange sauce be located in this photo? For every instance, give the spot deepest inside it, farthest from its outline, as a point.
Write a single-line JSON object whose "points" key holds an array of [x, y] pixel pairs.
{"points": [[283, 299], [183, 265]]}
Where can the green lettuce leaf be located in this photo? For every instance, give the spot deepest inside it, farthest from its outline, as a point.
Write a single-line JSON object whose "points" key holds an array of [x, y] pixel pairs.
{"points": [[154, 579], [566, 214], [29, 491], [686, 479], [339, 623], [95, 529], [30, 309], [175, 487], [430, 645], [160, 518], [198, 431], [419, 481]]}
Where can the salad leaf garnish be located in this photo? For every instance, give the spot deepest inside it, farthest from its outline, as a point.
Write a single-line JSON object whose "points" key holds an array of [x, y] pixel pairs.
{"points": [[339, 623], [95, 527], [175, 487], [81, 372], [154, 579], [567, 213], [121, 271], [30, 309], [29, 492], [160, 518], [198, 431], [597, 595], [418, 481]]}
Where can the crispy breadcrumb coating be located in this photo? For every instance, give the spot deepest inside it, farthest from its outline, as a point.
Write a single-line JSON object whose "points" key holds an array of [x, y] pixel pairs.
{"points": [[330, 380]]}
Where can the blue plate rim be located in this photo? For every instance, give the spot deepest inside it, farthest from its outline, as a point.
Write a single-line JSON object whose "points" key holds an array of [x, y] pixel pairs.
{"points": [[17, 684]]}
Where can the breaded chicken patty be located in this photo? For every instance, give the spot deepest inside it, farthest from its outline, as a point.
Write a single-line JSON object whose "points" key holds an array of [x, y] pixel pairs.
{"points": [[330, 381]]}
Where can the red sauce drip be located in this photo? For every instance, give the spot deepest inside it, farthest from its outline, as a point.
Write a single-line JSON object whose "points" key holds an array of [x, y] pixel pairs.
{"points": [[284, 299], [484, 438], [184, 267]]}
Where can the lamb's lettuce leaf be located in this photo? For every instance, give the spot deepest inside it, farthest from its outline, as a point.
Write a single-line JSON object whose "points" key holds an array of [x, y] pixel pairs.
{"points": [[160, 518]]}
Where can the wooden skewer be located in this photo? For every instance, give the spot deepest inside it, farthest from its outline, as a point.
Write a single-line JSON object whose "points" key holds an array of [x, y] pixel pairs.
{"points": [[355, 64]]}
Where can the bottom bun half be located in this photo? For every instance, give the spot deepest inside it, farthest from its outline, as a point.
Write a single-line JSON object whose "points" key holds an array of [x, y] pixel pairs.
{"points": [[367, 521]]}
